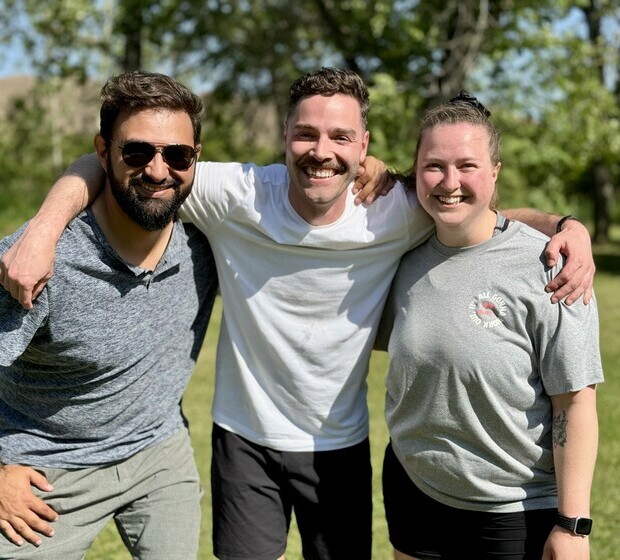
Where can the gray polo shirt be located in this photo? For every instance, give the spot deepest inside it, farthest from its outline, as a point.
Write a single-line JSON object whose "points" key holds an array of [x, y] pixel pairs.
{"points": [[96, 370]]}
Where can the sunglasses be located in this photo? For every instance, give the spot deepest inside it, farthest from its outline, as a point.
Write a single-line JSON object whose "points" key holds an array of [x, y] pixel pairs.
{"points": [[139, 154]]}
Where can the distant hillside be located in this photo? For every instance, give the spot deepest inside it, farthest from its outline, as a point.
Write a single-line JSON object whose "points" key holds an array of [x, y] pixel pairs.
{"points": [[13, 86], [75, 107], [75, 110]]}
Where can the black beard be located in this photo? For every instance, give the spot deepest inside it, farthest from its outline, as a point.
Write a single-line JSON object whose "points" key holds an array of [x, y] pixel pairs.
{"points": [[151, 214]]}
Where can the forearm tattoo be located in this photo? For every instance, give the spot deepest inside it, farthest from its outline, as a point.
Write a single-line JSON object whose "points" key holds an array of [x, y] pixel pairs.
{"points": [[559, 429]]}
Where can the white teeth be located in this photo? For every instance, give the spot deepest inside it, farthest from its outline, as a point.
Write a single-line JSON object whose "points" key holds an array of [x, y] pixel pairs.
{"points": [[450, 199], [320, 173]]}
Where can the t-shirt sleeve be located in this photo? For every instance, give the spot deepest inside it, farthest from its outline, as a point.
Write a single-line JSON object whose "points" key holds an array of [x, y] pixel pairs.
{"points": [[384, 330], [421, 225], [18, 326], [217, 190], [570, 358]]}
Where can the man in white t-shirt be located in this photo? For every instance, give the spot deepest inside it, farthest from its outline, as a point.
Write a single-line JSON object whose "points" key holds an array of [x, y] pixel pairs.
{"points": [[304, 273]]}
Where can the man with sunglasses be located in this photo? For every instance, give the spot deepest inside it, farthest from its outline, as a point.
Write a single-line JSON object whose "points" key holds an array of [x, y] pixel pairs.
{"points": [[91, 379], [304, 273]]}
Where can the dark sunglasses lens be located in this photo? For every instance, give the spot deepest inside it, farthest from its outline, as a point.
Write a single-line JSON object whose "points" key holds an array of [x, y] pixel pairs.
{"points": [[138, 154], [179, 156]]}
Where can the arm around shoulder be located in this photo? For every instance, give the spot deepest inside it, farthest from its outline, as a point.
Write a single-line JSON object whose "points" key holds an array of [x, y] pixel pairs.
{"points": [[571, 238], [74, 190], [27, 266]]}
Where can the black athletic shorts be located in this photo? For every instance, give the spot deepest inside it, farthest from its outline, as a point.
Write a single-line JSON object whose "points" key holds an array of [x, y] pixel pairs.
{"points": [[255, 490], [426, 529]]}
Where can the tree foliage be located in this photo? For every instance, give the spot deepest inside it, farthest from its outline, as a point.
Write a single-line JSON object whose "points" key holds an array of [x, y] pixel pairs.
{"points": [[547, 68]]}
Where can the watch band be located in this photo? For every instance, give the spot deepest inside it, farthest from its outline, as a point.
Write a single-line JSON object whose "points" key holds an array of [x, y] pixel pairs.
{"points": [[563, 220], [577, 525]]}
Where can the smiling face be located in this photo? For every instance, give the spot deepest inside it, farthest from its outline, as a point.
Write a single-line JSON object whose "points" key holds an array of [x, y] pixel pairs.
{"points": [[148, 195], [455, 182], [325, 142]]}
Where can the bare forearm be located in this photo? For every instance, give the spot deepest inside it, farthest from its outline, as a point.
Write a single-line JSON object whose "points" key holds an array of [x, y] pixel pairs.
{"points": [[76, 189], [542, 221], [575, 443], [28, 264]]}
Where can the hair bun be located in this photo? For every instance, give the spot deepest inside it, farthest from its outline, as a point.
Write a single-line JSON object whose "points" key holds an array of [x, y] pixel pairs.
{"points": [[466, 97]]}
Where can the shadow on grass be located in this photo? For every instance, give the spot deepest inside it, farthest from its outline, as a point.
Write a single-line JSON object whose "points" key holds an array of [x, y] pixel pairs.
{"points": [[608, 263], [607, 257]]}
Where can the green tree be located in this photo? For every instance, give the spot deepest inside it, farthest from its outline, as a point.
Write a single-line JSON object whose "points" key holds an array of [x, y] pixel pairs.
{"points": [[537, 77], [32, 154], [558, 83], [600, 168]]}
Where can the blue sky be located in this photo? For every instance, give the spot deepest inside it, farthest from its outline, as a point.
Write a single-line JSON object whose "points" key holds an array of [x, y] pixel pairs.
{"points": [[13, 61]]}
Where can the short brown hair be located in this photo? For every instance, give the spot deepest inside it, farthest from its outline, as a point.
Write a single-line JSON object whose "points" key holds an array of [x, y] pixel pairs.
{"points": [[328, 82], [136, 91]]}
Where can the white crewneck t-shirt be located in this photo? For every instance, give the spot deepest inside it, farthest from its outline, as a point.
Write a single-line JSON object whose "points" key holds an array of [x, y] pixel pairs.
{"points": [[301, 304]]}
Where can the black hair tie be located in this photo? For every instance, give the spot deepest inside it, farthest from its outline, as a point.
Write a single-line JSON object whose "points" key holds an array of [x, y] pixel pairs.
{"points": [[466, 97]]}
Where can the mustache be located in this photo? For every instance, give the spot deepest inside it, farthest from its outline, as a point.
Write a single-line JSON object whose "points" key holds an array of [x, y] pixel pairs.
{"points": [[309, 161], [142, 179]]}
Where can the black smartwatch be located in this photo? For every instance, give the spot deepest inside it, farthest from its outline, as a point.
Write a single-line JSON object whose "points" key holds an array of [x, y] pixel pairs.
{"points": [[577, 525]]}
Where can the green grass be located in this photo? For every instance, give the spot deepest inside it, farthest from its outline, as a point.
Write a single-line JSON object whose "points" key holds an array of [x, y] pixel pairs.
{"points": [[605, 541]]}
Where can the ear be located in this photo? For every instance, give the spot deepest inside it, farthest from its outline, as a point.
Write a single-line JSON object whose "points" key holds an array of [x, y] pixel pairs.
{"points": [[496, 171], [285, 133], [102, 150], [365, 142], [198, 148]]}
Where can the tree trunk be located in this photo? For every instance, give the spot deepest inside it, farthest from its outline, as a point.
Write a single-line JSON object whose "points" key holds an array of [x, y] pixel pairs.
{"points": [[465, 24], [131, 26], [133, 51], [603, 186], [603, 198]]}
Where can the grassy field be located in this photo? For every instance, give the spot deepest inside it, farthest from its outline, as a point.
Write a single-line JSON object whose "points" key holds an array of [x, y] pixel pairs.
{"points": [[605, 540]]}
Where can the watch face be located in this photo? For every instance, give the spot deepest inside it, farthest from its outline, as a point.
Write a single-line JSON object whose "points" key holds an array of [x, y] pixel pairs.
{"points": [[583, 526]]}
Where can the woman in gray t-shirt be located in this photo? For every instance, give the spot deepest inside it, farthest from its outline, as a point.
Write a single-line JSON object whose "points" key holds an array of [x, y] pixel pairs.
{"points": [[491, 400]]}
